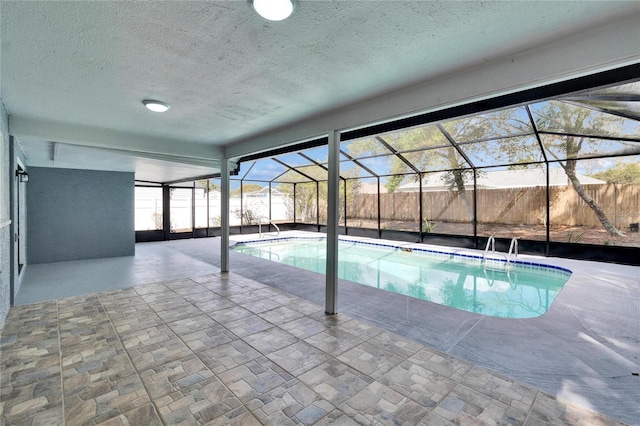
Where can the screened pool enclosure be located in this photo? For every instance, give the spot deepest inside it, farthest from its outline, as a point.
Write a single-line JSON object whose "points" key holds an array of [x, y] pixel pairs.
{"points": [[561, 175]]}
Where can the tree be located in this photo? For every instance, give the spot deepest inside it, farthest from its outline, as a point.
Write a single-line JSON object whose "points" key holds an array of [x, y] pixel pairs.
{"points": [[576, 124], [311, 196], [623, 172], [209, 185], [467, 131], [304, 205], [393, 182], [250, 214], [246, 188], [428, 148], [506, 138]]}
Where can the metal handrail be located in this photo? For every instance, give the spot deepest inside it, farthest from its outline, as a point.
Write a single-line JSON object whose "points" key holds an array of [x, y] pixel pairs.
{"points": [[268, 220], [512, 246], [490, 242]]}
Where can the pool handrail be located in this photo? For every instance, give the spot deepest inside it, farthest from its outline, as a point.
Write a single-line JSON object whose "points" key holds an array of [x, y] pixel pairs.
{"points": [[512, 246], [491, 242], [270, 221]]}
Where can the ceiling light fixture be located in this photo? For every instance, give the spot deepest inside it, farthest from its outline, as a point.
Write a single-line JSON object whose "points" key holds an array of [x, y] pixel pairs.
{"points": [[156, 106], [274, 10]]}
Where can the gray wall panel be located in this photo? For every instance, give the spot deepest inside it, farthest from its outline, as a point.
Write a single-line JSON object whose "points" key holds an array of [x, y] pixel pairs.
{"points": [[79, 214]]}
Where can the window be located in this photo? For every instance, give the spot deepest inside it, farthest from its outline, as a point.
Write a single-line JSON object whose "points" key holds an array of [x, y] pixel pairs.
{"points": [[148, 208]]}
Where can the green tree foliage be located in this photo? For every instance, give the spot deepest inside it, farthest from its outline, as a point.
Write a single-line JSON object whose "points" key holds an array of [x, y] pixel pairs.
{"points": [[306, 203], [575, 125], [209, 185], [624, 173], [505, 138], [428, 149], [246, 188], [393, 182]]}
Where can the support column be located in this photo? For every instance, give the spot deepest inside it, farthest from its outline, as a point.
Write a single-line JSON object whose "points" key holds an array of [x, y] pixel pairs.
{"points": [[333, 200], [193, 210], [224, 215], [420, 212], [379, 210], [166, 212], [547, 249]]}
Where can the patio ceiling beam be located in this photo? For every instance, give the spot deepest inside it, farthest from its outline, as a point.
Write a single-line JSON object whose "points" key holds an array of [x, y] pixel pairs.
{"points": [[192, 179], [314, 143], [397, 154], [131, 144], [148, 183], [455, 145]]}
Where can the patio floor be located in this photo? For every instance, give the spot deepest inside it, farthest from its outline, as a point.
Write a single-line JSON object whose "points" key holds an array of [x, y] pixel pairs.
{"points": [[164, 337]]}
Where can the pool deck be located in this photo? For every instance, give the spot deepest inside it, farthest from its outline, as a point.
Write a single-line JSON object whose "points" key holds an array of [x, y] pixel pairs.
{"points": [[585, 349]]}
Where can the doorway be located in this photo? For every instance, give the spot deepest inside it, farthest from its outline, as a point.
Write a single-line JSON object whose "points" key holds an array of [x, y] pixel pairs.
{"points": [[21, 217]]}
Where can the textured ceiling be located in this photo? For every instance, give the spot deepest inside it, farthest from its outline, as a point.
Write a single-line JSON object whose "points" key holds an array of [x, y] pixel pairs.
{"points": [[229, 74]]}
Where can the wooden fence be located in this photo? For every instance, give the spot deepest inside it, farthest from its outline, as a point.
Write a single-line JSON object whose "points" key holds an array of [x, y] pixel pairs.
{"points": [[516, 206]]}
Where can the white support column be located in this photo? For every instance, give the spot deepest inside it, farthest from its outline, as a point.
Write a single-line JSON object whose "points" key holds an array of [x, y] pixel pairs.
{"points": [[224, 216], [333, 199]]}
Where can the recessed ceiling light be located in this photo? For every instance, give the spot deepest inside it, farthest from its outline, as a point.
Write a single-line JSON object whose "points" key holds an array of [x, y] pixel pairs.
{"points": [[274, 10], [156, 106]]}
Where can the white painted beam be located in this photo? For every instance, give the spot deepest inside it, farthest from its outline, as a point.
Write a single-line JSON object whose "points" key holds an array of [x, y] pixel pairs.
{"points": [[134, 144]]}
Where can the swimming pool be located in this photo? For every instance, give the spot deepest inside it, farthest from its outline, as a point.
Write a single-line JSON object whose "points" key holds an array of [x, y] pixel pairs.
{"points": [[523, 290]]}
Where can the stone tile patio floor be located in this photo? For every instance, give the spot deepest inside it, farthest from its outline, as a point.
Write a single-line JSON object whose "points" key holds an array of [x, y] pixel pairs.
{"points": [[224, 349]]}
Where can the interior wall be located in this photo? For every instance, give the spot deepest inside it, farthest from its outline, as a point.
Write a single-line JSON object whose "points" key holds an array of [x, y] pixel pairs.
{"points": [[5, 230], [79, 214]]}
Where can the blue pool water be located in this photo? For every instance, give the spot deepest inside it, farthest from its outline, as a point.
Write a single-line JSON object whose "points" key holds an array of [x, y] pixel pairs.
{"points": [[523, 290]]}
